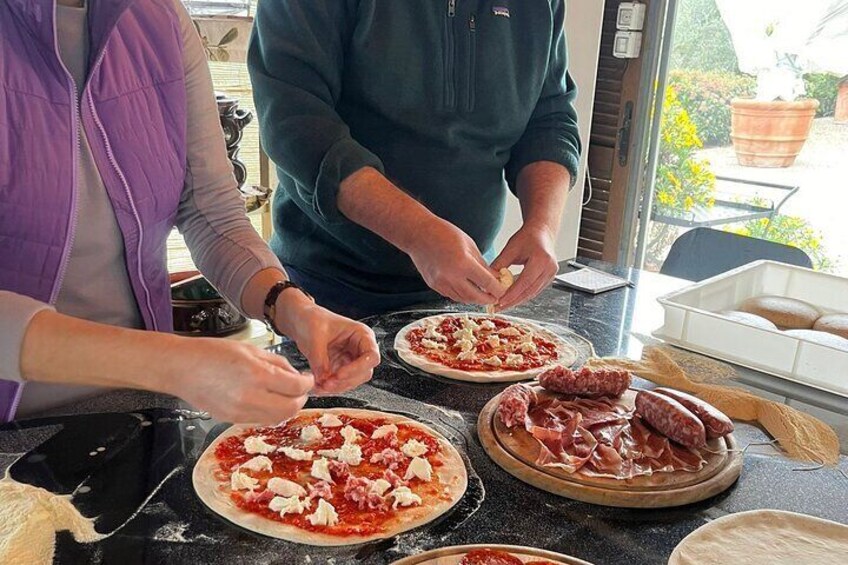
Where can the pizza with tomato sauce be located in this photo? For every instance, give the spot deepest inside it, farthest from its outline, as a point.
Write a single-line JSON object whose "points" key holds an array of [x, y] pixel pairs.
{"points": [[331, 477], [489, 554], [481, 348]]}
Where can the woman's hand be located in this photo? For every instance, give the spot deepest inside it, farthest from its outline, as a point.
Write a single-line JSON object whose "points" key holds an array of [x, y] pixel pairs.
{"points": [[341, 352], [238, 382]]}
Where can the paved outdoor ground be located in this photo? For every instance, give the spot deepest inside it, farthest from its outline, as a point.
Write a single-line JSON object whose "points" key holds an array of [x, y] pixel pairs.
{"points": [[821, 171]]}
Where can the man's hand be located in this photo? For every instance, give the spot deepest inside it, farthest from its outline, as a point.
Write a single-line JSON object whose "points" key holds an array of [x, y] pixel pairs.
{"points": [[341, 352], [237, 382], [534, 248], [452, 265]]}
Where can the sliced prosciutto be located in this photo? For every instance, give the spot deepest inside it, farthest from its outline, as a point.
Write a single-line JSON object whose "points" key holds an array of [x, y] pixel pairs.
{"points": [[596, 437]]}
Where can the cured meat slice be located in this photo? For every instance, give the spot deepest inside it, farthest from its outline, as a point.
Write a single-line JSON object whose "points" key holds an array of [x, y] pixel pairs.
{"points": [[585, 382], [516, 400]]}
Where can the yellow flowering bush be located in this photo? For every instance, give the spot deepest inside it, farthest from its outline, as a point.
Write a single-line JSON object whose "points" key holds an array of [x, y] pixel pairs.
{"points": [[683, 183]]}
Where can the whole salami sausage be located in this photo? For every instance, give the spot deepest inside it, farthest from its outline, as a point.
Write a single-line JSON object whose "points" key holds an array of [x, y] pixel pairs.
{"points": [[714, 420], [515, 401], [585, 382], [671, 419]]}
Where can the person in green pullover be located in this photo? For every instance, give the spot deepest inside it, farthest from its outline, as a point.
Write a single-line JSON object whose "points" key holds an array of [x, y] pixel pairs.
{"points": [[397, 128]]}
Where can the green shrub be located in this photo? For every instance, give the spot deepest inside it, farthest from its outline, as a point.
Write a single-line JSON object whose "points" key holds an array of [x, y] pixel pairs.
{"points": [[683, 183], [706, 97], [790, 230], [823, 87]]}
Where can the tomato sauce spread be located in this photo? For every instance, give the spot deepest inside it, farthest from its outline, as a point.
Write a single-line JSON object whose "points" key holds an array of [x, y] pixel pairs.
{"points": [[544, 353], [231, 453]]}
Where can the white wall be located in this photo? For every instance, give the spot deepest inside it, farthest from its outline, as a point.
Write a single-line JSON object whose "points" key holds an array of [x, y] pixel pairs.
{"points": [[583, 29]]}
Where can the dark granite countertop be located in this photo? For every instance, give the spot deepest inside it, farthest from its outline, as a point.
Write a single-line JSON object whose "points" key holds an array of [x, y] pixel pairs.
{"points": [[148, 457]]}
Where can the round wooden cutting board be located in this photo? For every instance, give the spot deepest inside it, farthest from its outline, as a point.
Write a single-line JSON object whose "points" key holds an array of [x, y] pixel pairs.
{"points": [[516, 450], [454, 554]]}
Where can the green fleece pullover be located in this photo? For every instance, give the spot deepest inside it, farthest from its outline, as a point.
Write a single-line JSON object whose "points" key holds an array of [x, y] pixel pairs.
{"points": [[448, 98]]}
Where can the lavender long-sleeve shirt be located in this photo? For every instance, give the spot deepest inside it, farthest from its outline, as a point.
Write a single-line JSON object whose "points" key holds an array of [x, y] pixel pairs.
{"points": [[211, 217]]}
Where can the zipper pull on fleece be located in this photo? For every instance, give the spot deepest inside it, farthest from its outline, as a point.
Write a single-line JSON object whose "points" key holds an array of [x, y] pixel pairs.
{"points": [[472, 23], [451, 8]]}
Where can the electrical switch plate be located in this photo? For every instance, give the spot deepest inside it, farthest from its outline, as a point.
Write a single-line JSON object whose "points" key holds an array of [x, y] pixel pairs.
{"points": [[627, 45], [631, 16]]}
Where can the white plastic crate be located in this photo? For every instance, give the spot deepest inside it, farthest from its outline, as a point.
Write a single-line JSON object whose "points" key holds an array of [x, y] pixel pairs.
{"points": [[692, 322]]}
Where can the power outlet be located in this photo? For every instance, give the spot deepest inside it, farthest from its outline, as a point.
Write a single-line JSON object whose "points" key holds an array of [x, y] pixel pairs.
{"points": [[631, 16], [627, 45]]}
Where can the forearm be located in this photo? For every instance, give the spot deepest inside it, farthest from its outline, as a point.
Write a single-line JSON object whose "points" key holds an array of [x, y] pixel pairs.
{"points": [[369, 199], [63, 349], [543, 189]]}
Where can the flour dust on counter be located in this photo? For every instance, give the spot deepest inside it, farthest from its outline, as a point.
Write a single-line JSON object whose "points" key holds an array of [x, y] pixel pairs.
{"points": [[29, 519]]}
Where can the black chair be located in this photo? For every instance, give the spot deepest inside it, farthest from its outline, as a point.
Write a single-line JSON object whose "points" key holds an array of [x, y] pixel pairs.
{"points": [[703, 252]]}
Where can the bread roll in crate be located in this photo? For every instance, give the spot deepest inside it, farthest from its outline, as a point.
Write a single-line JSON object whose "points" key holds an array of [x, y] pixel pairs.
{"points": [[705, 317]]}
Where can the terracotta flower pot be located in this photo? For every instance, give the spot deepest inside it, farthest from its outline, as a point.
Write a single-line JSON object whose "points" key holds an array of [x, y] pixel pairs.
{"points": [[841, 114], [770, 134]]}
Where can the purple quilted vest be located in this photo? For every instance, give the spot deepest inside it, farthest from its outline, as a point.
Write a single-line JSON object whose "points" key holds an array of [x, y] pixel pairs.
{"points": [[133, 111]]}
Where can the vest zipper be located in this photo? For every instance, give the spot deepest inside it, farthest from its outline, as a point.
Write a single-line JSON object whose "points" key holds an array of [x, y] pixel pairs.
{"points": [[450, 57], [472, 61], [120, 173], [75, 130]]}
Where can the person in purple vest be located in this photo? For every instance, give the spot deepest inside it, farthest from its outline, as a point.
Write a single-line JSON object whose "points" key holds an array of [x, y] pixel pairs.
{"points": [[109, 137]]}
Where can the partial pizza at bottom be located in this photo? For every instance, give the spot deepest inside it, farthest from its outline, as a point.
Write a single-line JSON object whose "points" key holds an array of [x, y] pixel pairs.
{"points": [[481, 348], [494, 554], [331, 477]]}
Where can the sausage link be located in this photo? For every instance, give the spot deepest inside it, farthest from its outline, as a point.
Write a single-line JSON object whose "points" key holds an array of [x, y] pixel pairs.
{"points": [[515, 401], [715, 421], [671, 419], [585, 382]]}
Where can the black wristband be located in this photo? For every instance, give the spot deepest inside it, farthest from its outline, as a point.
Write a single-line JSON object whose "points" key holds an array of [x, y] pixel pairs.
{"points": [[269, 309]]}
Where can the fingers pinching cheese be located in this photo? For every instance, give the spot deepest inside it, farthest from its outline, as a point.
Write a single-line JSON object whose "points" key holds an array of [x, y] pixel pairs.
{"points": [[507, 279]]}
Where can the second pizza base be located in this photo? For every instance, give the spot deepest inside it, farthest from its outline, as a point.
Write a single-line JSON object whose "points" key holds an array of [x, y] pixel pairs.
{"points": [[208, 488], [566, 352]]}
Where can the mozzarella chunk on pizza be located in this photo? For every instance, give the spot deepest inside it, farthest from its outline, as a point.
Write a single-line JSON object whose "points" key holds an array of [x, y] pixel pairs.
{"points": [[431, 344], [510, 332], [514, 359], [296, 454], [256, 444], [258, 463], [420, 468], [404, 497], [350, 434], [330, 421], [469, 355], [414, 448], [243, 481], [321, 470], [465, 334], [311, 433], [285, 487], [288, 505], [465, 345], [493, 341], [528, 347], [384, 431], [351, 454], [487, 325], [380, 486], [324, 515], [431, 332], [493, 361]]}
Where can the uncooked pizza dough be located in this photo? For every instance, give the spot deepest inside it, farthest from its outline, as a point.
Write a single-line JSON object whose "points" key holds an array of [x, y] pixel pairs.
{"points": [[567, 354], [822, 338], [785, 313], [451, 473], [29, 519], [833, 323], [748, 319], [764, 537]]}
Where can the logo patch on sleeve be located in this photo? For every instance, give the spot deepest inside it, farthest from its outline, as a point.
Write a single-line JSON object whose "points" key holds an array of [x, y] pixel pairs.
{"points": [[501, 11]]}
